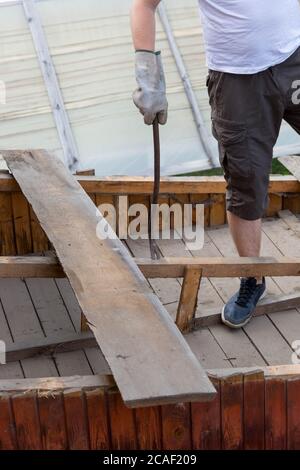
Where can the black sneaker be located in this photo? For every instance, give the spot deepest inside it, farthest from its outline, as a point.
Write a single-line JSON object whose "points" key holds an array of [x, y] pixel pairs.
{"points": [[240, 308]]}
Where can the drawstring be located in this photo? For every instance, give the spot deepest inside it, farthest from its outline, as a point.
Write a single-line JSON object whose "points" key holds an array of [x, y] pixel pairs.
{"points": [[154, 250]]}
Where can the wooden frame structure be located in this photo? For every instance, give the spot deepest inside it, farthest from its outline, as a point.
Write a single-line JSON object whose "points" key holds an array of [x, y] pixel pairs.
{"points": [[255, 408]]}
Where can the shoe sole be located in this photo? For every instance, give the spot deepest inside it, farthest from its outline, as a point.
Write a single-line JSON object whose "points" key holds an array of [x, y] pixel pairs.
{"points": [[241, 325]]}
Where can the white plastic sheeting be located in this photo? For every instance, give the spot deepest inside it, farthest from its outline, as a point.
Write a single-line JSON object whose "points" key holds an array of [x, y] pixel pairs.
{"points": [[90, 44]]}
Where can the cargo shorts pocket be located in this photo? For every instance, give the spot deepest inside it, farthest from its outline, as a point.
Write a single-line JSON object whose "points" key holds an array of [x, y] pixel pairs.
{"points": [[234, 155]]}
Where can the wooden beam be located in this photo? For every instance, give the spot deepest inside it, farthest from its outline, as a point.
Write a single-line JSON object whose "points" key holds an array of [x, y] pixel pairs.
{"points": [[30, 267], [189, 297], [59, 112], [220, 267], [268, 305], [48, 346], [48, 266], [52, 384], [292, 163], [149, 358], [169, 185]]}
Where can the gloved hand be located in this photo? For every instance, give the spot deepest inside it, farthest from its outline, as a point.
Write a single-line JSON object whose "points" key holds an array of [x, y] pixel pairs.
{"points": [[150, 97]]}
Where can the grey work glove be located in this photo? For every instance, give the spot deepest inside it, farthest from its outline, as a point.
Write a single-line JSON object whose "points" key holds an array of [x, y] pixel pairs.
{"points": [[150, 97]]}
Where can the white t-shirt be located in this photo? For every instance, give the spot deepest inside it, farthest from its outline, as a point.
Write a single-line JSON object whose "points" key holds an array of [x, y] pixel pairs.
{"points": [[248, 36]]}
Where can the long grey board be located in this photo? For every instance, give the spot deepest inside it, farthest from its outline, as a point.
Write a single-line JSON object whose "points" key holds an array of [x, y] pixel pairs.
{"points": [[150, 360]]}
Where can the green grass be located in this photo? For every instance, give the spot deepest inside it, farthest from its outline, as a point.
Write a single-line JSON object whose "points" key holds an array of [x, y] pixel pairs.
{"points": [[277, 169]]}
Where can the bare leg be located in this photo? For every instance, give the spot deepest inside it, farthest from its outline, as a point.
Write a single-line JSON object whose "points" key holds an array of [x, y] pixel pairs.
{"points": [[246, 235]]}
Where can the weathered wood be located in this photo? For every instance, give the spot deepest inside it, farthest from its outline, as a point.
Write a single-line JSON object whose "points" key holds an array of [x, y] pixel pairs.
{"points": [[21, 218], [147, 366], [292, 163], [50, 345], [96, 403], [232, 412], [254, 411], [221, 267], [76, 420], [169, 185], [275, 414], [176, 424], [7, 427], [28, 431], [266, 306], [188, 299], [293, 414], [30, 266], [52, 422], [148, 428], [122, 424], [206, 423]]}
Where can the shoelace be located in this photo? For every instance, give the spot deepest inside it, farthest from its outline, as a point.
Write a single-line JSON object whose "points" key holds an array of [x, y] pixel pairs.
{"points": [[247, 288]]}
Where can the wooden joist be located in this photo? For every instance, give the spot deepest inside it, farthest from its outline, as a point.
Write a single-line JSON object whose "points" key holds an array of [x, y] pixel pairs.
{"points": [[220, 267], [150, 360], [48, 266], [189, 297], [292, 163], [198, 185]]}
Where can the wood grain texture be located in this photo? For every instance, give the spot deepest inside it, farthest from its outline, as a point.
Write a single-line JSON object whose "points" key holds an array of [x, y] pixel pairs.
{"points": [[147, 366], [254, 411], [176, 426], [275, 414], [52, 421], [293, 414], [232, 412], [76, 420], [28, 431], [8, 439], [122, 424], [206, 423], [98, 419]]}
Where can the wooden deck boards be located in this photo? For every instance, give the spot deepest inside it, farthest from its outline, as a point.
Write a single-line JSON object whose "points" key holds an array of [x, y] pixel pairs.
{"points": [[40, 307]]}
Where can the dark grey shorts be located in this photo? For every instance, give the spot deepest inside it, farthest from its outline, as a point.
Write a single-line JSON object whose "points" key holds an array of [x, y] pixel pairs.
{"points": [[247, 112]]}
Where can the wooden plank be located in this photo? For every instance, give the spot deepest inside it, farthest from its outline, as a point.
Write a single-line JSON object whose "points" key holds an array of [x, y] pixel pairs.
{"points": [[27, 422], [39, 239], [76, 420], [53, 384], [169, 185], [52, 421], [189, 297], [293, 414], [148, 428], [97, 412], [275, 414], [207, 350], [254, 411], [30, 267], [21, 218], [176, 425], [136, 364], [49, 345], [275, 205], [7, 425], [266, 306], [122, 424], [292, 164], [206, 423], [232, 412], [7, 235], [217, 210], [59, 112], [221, 267]]}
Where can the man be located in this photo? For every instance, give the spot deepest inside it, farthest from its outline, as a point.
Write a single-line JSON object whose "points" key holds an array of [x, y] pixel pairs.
{"points": [[253, 56]]}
